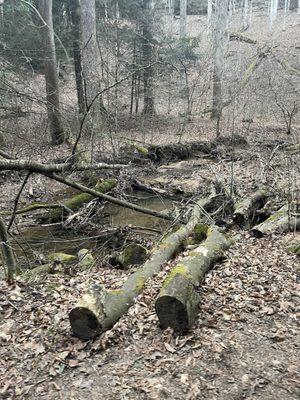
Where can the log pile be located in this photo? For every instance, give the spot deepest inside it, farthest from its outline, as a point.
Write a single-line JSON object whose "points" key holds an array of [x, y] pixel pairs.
{"points": [[100, 309]]}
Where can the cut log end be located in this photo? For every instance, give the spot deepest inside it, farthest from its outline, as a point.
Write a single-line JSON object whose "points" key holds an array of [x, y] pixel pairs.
{"points": [[172, 313], [84, 323]]}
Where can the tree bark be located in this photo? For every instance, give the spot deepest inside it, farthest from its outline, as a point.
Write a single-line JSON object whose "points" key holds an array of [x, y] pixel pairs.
{"points": [[7, 253], [177, 303], [220, 38], [51, 76], [91, 60], [280, 222], [99, 309], [76, 31], [183, 11], [148, 56]]}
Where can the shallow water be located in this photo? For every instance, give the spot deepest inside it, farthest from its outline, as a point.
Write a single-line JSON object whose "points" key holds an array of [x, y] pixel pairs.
{"points": [[36, 242]]}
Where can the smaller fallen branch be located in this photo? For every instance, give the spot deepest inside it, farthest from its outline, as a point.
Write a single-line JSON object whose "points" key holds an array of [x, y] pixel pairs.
{"points": [[100, 309], [280, 222], [244, 210], [37, 206], [177, 303], [236, 36]]}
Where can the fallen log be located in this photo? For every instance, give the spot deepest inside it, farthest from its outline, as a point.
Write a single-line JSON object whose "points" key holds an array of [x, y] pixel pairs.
{"points": [[175, 151], [99, 309], [244, 210], [23, 165], [76, 202], [177, 303], [280, 222]]}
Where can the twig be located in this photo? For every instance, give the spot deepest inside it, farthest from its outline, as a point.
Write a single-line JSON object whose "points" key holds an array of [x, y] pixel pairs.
{"points": [[16, 202]]}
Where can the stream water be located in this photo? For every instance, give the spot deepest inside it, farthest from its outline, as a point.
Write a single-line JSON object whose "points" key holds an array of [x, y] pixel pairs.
{"points": [[38, 241]]}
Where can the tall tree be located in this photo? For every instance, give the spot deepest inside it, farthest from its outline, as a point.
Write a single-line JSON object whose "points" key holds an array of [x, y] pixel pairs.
{"points": [[51, 76], [220, 38], [183, 9], [91, 57], [74, 8], [148, 58]]}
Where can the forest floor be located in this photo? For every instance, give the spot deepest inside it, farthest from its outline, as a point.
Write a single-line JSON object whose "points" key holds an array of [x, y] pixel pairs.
{"points": [[245, 343]]}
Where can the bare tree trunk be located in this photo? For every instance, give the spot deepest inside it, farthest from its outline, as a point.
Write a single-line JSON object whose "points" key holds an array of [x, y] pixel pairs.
{"points": [[209, 13], [91, 60], [183, 8], [220, 38], [76, 30], [7, 253], [147, 50], [51, 76]]}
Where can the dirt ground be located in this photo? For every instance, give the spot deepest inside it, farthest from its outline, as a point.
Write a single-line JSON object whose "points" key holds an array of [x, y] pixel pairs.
{"points": [[244, 345]]}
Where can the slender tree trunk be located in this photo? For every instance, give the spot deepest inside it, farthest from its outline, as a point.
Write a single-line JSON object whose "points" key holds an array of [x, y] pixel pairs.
{"points": [[91, 59], [76, 30], [51, 76], [7, 253], [209, 13], [220, 38], [147, 50], [245, 19], [183, 9]]}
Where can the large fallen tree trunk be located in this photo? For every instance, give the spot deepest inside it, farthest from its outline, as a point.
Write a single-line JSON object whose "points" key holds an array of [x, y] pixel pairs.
{"points": [[280, 222], [177, 303], [99, 309], [244, 210]]}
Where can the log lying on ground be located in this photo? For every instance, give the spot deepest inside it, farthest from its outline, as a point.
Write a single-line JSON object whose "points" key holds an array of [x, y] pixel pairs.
{"points": [[280, 222], [76, 202], [99, 309], [175, 151], [245, 209], [23, 165], [177, 303]]}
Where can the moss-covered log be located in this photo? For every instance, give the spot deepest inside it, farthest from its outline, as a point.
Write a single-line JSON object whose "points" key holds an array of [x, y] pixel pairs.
{"points": [[77, 201], [100, 309], [280, 222], [245, 209], [177, 303]]}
